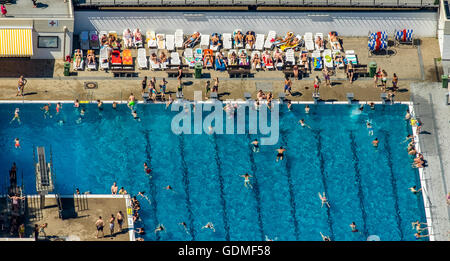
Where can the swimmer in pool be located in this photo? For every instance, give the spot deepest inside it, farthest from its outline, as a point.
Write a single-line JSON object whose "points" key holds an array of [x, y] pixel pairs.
{"points": [[46, 110], [353, 227], [289, 105], [409, 137], [141, 193], [210, 226], [306, 108], [418, 226], [159, 228], [146, 168], [325, 238], [375, 142], [414, 190], [16, 116], [302, 122], [361, 108], [369, 127], [170, 101], [255, 144], [247, 183], [16, 143], [323, 199], [58, 107], [184, 226], [131, 101], [210, 130], [280, 154], [82, 112], [372, 106], [407, 115], [114, 105], [135, 116], [100, 105], [169, 188], [76, 104]]}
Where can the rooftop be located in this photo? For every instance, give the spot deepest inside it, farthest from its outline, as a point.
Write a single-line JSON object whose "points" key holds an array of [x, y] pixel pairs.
{"points": [[48, 9]]}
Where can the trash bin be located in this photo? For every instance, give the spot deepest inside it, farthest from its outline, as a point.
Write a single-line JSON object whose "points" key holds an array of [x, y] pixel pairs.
{"points": [[444, 81], [198, 70], [66, 69], [372, 69]]}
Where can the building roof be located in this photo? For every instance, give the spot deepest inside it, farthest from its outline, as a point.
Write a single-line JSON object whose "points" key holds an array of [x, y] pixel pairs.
{"points": [[47, 9]]}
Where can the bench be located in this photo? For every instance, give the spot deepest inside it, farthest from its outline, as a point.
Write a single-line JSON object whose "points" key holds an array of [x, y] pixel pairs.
{"points": [[360, 69], [124, 73], [174, 72], [242, 72], [289, 71]]}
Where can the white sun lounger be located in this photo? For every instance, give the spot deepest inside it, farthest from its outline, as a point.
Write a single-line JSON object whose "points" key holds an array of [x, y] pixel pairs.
{"points": [[259, 42], [153, 65], [125, 41], [179, 38], [151, 39], [316, 36], [142, 58], [175, 59], [170, 42], [92, 67], [138, 43], [258, 66], [279, 64], [351, 57], [229, 56], [204, 41], [238, 45], [328, 59], [100, 34], [309, 42], [104, 60], [189, 57], [269, 40], [290, 56], [227, 41], [81, 66], [84, 40], [161, 41]]}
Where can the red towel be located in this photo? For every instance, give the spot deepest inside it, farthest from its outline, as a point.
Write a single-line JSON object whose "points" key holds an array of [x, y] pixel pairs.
{"points": [[378, 35], [377, 44], [404, 35]]}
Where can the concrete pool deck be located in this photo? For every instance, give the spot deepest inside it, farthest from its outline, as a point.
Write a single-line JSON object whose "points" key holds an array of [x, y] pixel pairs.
{"points": [[79, 217]]}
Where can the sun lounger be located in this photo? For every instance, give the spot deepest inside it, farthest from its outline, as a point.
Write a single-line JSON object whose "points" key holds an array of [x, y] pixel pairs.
{"points": [[84, 40], [309, 43], [247, 46], [161, 41], [175, 59], [204, 41], [350, 57], [339, 63], [243, 62], [227, 41], [317, 62], [277, 64], [104, 58], [216, 46], [138, 43], [208, 52], [91, 66], [151, 39], [317, 36], [198, 55], [258, 65], [290, 57], [270, 39], [328, 58], [229, 57], [268, 62], [94, 40], [219, 63], [189, 57], [127, 59], [100, 35], [259, 42], [153, 65], [116, 60], [142, 58], [164, 65], [335, 45], [235, 43], [125, 40], [179, 38], [170, 42], [81, 65]]}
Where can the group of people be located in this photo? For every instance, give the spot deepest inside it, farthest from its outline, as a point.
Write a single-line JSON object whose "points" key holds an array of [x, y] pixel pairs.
{"points": [[100, 224]]}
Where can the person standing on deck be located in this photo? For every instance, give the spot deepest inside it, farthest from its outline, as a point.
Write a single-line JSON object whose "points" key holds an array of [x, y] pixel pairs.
{"points": [[100, 224]]}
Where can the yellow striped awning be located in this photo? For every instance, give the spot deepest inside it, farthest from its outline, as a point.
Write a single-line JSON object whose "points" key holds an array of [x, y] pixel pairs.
{"points": [[16, 42]]}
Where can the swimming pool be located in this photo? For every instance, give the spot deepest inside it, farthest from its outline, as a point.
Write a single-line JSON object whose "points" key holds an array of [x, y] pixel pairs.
{"points": [[365, 185]]}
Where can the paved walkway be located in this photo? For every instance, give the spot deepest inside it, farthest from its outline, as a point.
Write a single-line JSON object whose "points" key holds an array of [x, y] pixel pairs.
{"points": [[430, 108]]}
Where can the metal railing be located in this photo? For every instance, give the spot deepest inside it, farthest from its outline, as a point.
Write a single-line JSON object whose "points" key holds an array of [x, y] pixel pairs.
{"points": [[350, 3]]}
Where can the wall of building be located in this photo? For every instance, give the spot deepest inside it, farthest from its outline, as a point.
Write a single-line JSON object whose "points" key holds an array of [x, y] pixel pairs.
{"points": [[52, 53], [424, 23]]}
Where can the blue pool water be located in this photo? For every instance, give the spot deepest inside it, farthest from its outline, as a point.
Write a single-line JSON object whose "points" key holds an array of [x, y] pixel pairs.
{"points": [[365, 185]]}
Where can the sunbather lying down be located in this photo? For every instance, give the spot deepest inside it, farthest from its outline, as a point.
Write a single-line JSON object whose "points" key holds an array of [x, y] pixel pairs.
{"points": [[154, 58], [278, 56], [287, 39], [233, 59], [162, 57], [77, 57], [267, 59], [137, 35], [128, 37], [104, 39], [90, 57], [319, 41], [215, 40], [250, 38], [243, 59], [239, 37], [207, 60], [191, 39], [256, 60]]}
